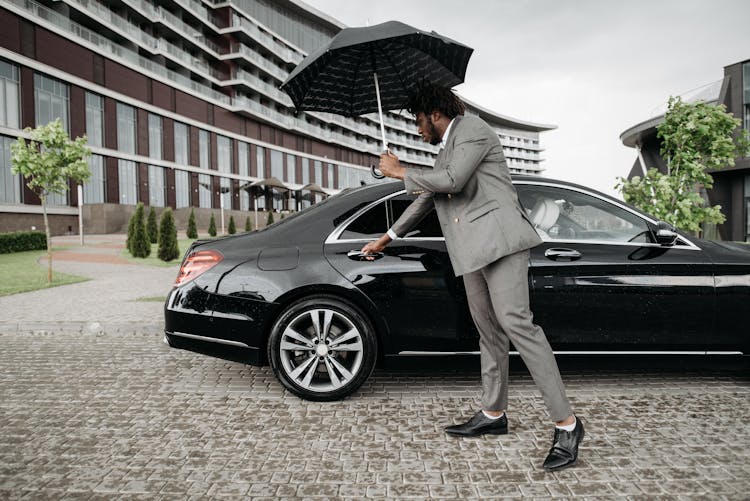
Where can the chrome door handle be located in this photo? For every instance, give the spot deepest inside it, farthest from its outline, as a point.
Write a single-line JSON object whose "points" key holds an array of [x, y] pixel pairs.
{"points": [[361, 256], [562, 254]]}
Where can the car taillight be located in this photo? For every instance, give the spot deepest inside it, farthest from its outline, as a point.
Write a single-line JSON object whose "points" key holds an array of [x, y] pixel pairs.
{"points": [[196, 264]]}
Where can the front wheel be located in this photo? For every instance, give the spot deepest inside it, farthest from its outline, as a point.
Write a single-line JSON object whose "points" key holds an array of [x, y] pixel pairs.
{"points": [[322, 348]]}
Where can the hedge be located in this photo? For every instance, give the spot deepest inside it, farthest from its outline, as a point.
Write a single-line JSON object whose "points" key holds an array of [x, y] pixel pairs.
{"points": [[20, 241]]}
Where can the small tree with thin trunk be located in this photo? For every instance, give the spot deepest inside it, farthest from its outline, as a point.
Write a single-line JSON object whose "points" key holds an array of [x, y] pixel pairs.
{"points": [[212, 226], [696, 138], [192, 229], [48, 161], [168, 249], [151, 227]]}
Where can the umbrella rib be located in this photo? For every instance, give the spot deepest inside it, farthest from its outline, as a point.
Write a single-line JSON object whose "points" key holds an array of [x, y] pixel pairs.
{"points": [[351, 92]]}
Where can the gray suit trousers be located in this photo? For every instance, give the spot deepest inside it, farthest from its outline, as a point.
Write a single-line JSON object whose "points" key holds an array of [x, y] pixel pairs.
{"points": [[498, 297]]}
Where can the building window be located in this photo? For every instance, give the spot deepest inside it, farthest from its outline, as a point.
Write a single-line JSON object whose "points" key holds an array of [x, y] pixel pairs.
{"points": [[10, 184], [156, 186], [277, 165], [747, 208], [204, 149], [244, 170], [181, 144], [51, 100], [224, 164], [746, 93], [182, 188], [318, 179], [126, 128], [291, 169], [305, 171], [260, 159], [155, 136], [94, 119], [128, 181], [204, 191], [95, 188], [331, 168], [10, 105]]}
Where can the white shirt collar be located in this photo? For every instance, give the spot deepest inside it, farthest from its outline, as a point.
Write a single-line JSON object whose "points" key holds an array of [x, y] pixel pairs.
{"points": [[444, 140]]}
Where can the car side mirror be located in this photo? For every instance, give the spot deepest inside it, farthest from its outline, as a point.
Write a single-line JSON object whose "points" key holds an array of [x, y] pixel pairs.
{"points": [[665, 233]]}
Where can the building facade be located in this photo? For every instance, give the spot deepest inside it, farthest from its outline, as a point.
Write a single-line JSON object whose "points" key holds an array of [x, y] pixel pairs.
{"points": [[181, 106], [731, 187]]}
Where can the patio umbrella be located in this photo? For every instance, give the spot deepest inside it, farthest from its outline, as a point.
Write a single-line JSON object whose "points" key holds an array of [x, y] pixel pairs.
{"points": [[363, 70]]}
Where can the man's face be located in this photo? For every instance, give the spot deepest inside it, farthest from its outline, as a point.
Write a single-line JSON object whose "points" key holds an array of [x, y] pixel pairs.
{"points": [[427, 130]]}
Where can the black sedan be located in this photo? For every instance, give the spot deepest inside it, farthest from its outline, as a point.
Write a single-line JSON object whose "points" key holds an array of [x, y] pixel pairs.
{"points": [[607, 279]]}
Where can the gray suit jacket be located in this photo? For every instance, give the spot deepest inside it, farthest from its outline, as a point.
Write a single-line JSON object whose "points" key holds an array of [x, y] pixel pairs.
{"points": [[476, 203]]}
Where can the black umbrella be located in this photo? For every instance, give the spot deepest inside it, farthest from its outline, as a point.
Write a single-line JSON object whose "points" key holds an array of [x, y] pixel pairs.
{"points": [[362, 70]]}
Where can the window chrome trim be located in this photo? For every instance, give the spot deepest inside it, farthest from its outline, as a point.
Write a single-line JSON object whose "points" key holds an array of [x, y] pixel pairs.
{"points": [[333, 237]]}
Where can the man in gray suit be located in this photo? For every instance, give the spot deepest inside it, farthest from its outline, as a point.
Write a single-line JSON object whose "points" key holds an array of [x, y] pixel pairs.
{"points": [[488, 237]]}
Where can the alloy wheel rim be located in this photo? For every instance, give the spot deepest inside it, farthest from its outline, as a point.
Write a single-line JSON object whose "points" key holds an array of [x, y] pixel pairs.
{"points": [[321, 350]]}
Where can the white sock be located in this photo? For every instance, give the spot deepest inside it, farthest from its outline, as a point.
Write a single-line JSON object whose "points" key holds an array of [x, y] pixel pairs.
{"points": [[492, 417], [569, 427]]}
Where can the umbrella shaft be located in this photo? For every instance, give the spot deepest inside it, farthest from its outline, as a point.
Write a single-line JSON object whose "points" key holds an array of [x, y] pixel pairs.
{"points": [[380, 112]]}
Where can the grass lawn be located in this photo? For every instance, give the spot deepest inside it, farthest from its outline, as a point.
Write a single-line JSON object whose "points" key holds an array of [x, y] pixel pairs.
{"points": [[153, 260], [22, 273]]}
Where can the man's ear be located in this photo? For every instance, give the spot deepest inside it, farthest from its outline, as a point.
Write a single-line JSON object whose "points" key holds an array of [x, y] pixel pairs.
{"points": [[435, 116]]}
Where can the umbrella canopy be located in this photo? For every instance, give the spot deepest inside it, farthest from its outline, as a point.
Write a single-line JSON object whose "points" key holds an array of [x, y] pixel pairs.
{"points": [[338, 77]]}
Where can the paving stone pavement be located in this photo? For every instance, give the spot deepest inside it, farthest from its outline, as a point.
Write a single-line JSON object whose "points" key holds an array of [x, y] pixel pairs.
{"points": [[94, 406]]}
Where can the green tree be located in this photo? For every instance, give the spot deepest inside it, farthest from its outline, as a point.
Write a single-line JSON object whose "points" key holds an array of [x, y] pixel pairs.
{"points": [[151, 227], [47, 162], [131, 235], [232, 228], [269, 221], [168, 249], [212, 226], [192, 229], [139, 244], [695, 138], [248, 225]]}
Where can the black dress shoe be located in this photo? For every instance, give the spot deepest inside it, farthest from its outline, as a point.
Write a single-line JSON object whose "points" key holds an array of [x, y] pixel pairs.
{"points": [[564, 451], [479, 425]]}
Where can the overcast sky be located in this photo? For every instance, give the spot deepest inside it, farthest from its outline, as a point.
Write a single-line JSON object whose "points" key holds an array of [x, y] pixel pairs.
{"points": [[594, 68]]}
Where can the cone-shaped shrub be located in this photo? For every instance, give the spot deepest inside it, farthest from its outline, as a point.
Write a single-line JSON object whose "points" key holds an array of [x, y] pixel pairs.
{"points": [[131, 233], [248, 225], [212, 226], [168, 249], [269, 221], [232, 228], [192, 229], [140, 246], [151, 228]]}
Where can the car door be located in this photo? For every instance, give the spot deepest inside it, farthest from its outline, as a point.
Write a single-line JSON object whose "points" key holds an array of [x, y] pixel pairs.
{"points": [[412, 285], [601, 282]]}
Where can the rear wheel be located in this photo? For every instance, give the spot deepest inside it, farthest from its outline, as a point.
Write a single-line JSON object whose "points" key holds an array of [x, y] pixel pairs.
{"points": [[322, 348]]}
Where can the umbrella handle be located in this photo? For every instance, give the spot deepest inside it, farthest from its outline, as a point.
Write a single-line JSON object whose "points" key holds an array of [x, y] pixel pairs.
{"points": [[375, 173]]}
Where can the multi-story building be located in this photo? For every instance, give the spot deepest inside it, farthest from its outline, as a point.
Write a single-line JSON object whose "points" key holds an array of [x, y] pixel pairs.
{"points": [[181, 105], [731, 187]]}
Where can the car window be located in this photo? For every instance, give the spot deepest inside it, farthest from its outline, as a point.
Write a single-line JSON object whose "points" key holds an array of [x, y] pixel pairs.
{"points": [[371, 224], [562, 214], [428, 227]]}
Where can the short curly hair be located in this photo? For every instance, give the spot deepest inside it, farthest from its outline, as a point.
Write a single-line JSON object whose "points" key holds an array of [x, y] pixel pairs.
{"points": [[428, 98]]}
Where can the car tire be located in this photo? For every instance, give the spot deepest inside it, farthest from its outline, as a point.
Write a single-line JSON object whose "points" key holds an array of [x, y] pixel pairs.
{"points": [[322, 348]]}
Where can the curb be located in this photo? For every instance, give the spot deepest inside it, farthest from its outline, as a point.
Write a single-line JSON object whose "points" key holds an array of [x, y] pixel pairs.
{"points": [[94, 328]]}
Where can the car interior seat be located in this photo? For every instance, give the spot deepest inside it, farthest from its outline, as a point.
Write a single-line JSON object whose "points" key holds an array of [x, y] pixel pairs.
{"points": [[544, 215]]}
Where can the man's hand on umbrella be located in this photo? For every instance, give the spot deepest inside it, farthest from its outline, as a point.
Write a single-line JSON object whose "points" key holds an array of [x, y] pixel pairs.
{"points": [[390, 166]]}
